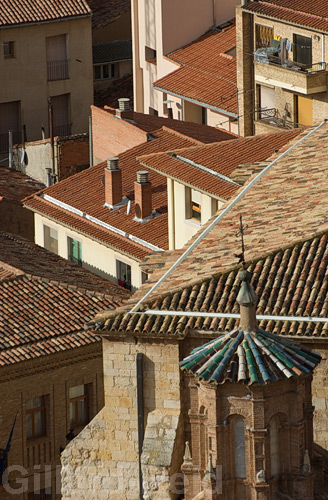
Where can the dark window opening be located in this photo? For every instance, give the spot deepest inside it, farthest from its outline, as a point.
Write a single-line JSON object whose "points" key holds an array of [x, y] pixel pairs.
{"points": [[302, 49], [74, 251], [123, 274], [36, 417]]}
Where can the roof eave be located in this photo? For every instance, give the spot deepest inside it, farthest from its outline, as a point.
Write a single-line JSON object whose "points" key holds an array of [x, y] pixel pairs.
{"points": [[198, 103]]}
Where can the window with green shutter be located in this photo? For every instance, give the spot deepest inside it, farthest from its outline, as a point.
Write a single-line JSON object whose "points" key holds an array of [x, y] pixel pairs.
{"points": [[74, 251]]}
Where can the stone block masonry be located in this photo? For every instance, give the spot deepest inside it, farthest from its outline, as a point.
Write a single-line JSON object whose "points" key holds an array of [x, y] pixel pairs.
{"points": [[102, 462]]}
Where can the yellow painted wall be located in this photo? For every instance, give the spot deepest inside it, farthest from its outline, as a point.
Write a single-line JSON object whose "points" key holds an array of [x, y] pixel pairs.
{"points": [[96, 257]]}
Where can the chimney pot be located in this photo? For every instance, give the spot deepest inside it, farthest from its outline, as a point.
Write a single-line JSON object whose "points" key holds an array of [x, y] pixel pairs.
{"points": [[113, 182], [142, 177], [124, 103], [143, 195], [112, 163]]}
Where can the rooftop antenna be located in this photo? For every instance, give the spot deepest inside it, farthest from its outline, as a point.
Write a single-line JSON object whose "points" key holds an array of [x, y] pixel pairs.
{"points": [[241, 232]]}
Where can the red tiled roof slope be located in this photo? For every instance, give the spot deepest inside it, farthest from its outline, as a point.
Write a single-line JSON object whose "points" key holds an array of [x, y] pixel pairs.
{"points": [[45, 301], [286, 206], [196, 131], [105, 12], [223, 157], [85, 192], [291, 282], [300, 12], [14, 185], [13, 12], [207, 74], [20, 256]]}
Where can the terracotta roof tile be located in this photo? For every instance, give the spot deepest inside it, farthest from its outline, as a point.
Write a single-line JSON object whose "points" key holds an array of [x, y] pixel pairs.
{"points": [[106, 12], [119, 50], [255, 357], [13, 12], [223, 158], [286, 247], [300, 12], [46, 300], [85, 192], [14, 185], [196, 131], [208, 73]]}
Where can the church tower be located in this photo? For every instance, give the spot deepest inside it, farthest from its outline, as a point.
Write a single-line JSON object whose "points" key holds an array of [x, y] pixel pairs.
{"points": [[251, 414]]}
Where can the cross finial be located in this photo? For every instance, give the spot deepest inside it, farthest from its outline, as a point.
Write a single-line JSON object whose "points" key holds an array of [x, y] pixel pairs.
{"points": [[240, 232]]}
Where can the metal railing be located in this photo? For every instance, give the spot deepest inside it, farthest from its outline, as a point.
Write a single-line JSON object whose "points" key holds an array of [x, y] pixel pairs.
{"points": [[62, 130], [58, 70], [4, 141], [288, 64], [271, 116]]}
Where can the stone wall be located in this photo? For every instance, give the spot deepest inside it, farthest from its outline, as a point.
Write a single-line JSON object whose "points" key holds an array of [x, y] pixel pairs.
{"points": [[103, 459]]}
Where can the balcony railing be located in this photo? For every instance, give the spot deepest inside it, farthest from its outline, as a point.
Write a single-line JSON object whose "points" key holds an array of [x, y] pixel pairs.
{"points": [[58, 70], [62, 130], [267, 58], [4, 141], [272, 117]]}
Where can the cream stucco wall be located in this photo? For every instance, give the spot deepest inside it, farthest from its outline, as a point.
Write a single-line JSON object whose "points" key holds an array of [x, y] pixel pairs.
{"points": [[24, 77], [182, 228], [96, 257], [165, 26]]}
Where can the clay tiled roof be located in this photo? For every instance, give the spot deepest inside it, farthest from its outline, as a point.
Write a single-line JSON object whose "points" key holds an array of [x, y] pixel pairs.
{"points": [[14, 186], [255, 357], [197, 131], [208, 73], [45, 301], [286, 246], [300, 12], [289, 282], [13, 12], [85, 192], [106, 12], [223, 158], [112, 51]]}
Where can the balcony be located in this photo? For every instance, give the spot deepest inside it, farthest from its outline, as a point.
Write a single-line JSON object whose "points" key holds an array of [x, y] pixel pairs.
{"points": [[272, 118], [58, 70], [289, 75]]}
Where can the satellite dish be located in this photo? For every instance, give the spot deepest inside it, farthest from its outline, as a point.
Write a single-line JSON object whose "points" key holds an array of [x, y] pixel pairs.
{"points": [[128, 208]]}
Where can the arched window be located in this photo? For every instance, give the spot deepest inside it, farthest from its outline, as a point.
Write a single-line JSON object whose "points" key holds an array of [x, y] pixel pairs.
{"points": [[239, 447], [274, 445]]}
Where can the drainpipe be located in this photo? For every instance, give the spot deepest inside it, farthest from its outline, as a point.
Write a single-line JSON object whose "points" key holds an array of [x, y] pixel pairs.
{"points": [[140, 409], [51, 134], [10, 134], [90, 142], [323, 48]]}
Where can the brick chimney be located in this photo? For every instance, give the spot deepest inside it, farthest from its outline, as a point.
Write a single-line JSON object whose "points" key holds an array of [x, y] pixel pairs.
{"points": [[124, 110], [113, 182], [143, 195]]}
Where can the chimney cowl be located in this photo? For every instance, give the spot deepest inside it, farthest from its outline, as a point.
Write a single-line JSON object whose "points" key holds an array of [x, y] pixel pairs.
{"points": [[112, 163], [142, 177], [124, 103]]}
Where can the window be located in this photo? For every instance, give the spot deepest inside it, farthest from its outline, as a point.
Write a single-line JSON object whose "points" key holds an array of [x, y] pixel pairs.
{"points": [[193, 200], [204, 116], [78, 405], [239, 447], [9, 50], [150, 54], [9, 120], [36, 417], [74, 251], [50, 237], [123, 274], [152, 111], [57, 57], [61, 114], [144, 277], [263, 36], [302, 49], [105, 71]]}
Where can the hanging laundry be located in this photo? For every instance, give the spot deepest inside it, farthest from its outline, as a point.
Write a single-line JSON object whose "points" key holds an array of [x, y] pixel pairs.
{"points": [[288, 45]]}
